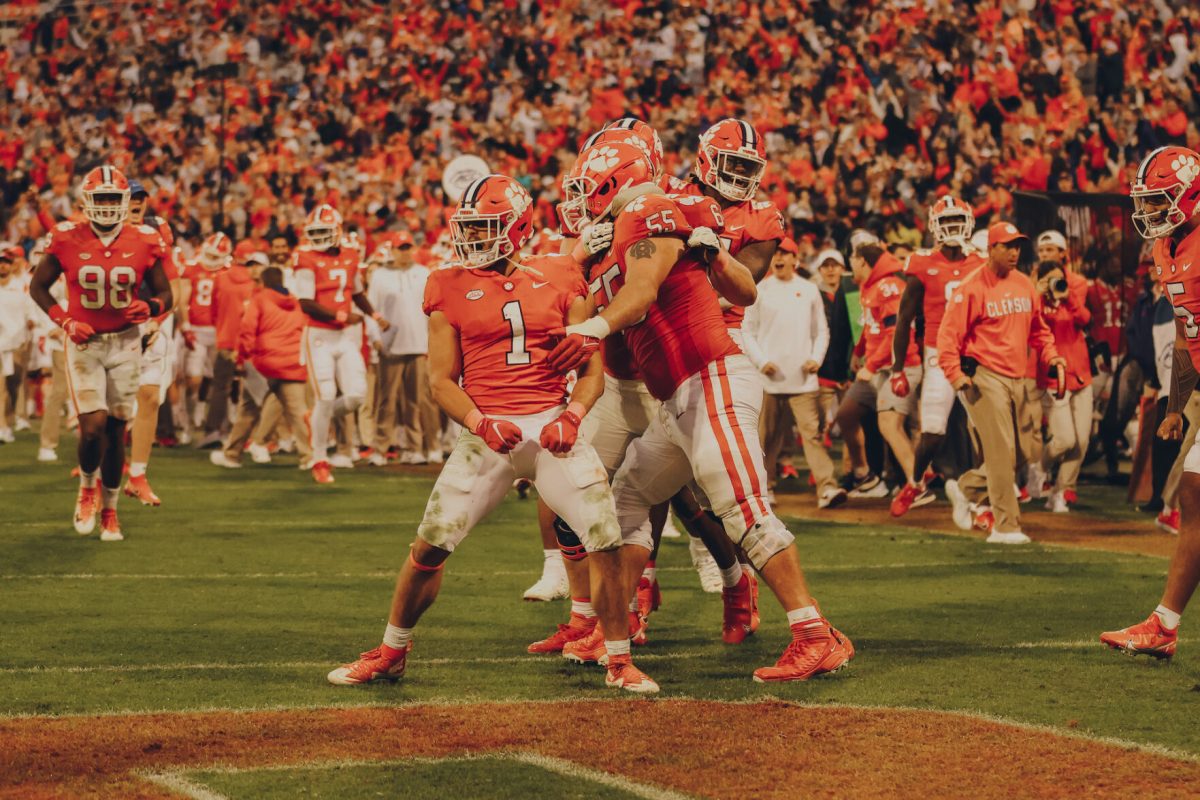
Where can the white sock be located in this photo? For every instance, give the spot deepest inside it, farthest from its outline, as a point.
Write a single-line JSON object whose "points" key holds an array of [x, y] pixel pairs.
{"points": [[108, 497], [397, 638], [88, 479], [733, 576], [649, 572], [137, 469], [633, 604], [582, 606], [1168, 618], [620, 647], [552, 563], [806, 614], [322, 414]]}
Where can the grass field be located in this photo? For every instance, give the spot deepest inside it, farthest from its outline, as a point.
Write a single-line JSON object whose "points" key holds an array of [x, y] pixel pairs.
{"points": [[246, 587]]}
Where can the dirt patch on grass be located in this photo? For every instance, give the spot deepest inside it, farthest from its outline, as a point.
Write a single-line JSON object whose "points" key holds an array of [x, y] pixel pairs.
{"points": [[1076, 529], [707, 749]]}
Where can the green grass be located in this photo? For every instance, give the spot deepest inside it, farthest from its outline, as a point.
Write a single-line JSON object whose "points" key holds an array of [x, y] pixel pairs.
{"points": [[246, 587], [463, 779]]}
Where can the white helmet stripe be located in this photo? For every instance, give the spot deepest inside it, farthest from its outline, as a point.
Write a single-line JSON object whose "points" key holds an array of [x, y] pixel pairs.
{"points": [[471, 195], [1141, 173], [748, 134]]}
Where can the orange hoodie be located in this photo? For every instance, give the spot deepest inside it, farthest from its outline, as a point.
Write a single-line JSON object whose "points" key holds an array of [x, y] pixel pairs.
{"points": [[995, 321], [231, 291], [270, 335], [1067, 322], [880, 299]]}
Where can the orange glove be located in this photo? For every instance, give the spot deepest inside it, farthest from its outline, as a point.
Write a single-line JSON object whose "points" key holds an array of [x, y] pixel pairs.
{"points": [[499, 434], [78, 332], [572, 352], [137, 312], [900, 386], [559, 436]]}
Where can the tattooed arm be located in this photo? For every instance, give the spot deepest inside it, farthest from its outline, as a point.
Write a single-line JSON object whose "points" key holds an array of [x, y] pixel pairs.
{"points": [[1183, 381], [647, 263]]}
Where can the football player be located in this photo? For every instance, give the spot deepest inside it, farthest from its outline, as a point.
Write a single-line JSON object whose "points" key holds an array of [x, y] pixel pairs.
{"points": [[659, 292], [200, 322], [328, 280], [1166, 197], [931, 276], [157, 368], [104, 262], [491, 324]]}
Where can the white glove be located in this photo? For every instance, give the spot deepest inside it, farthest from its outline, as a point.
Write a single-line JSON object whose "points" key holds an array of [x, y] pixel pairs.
{"points": [[704, 237], [596, 237]]}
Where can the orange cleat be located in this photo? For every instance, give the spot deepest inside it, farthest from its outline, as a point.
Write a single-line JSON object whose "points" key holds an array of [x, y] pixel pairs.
{"points": [[637, 628], [1070, 496], [382, 663], [139, 488], [86, 505], [814, 651], [741, 610], [624, 675], [110, 527], [985, 520], [1147, 638], [578, 627], [322, 472], [905, 498], [844, 641], [589, 649], [648, 597]]}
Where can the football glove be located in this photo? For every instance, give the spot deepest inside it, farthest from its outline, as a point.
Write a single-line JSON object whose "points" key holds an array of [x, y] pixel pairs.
{"points": [[900, 386], [596, 237], [559, 436], [189, 339], [78, 332], [499, 434], [704, 237], [137, 312]]}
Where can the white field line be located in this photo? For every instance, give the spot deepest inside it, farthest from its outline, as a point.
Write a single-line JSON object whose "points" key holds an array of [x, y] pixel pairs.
{"points": [[235, 576], [178, 780]]}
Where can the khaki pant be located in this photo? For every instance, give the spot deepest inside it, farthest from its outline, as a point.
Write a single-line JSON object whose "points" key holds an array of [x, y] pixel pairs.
{"points": [[1069, 422], [271, 425], [291, 396], [402, 391], [56, 402], [1030, 414], [778, 411], [1191, 411], [993, 404]]}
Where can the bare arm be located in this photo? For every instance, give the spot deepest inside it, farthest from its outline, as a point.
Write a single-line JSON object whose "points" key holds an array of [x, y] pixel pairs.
{"points": [[47, 272], [1183, 373], [757, 258], [364, 305], [590, 382], [733, 280], [160, 284], [647, 264], [910, 305], [445, 368]]}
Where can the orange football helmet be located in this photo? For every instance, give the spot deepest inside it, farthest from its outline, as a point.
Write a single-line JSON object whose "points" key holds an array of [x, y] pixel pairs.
{"points": [[951, 221], [109, 184], [631, 130], [599, 174], [323, 228], [1166, 191], [731, 158], [216, 252], [493, 221]]}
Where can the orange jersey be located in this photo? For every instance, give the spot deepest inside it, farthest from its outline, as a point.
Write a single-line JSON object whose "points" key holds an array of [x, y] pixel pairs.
{"points": [[683, 331], [1177, 268], [880, 300], [200, 311], [231, 293], [1108, 312], [995, 321], [940, 276], [336, 278], [102, 280], [745, 223], [504, 324]]}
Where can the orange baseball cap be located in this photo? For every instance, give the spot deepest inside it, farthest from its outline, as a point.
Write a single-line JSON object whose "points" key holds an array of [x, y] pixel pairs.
{"points": [[1003, 233], [788, 245]]}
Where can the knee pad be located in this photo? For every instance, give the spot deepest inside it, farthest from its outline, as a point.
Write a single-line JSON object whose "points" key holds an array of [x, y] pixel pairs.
{"points": [[764, 539], [568, 541]]}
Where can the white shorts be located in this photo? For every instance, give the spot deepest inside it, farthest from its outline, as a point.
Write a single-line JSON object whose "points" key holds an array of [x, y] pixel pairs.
{"points": [[157, 360], [708, 430], [475, 480], [937, 396], [621, 415], [335, 363], [200, 359], [103, 375]]}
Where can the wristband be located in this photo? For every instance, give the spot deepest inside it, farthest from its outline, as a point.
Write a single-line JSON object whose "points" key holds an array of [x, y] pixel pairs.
{"points": [[472, 419], [58, 314], [155, 306], [576, 409], [595, 327], [342, 316]]}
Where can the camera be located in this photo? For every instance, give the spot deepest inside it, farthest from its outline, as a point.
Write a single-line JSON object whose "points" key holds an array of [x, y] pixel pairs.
{"points": [[1059, 285]]}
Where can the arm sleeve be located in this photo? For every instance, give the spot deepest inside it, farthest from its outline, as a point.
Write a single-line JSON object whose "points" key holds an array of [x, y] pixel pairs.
{"points": [[1164, 348], [952, 334]]}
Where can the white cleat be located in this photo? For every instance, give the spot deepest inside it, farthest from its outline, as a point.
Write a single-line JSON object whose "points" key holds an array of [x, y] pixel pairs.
{"points": [[259, 453], [377, 460], [219, 458], [110, 528], [960, 508], [86, 511], [1015, 537], [549, 587], [1057, 503], [287, 446], [22, 424], [341, 461], [6, 436], [706, 566], [434, 457], [670, 529], [47, 455]]}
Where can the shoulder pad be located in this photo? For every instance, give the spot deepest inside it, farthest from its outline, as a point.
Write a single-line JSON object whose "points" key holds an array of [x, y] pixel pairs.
{"points": [[762, 205], [148, 230], [65, 225], [924, 251]]}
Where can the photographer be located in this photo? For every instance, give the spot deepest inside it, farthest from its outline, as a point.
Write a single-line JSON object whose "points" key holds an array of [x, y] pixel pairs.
{"points": [[1068, 418], [983, 345]]}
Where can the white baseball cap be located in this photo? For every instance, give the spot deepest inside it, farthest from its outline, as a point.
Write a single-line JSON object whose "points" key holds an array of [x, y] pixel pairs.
{"points": [[828, 254], [1053, 238]]}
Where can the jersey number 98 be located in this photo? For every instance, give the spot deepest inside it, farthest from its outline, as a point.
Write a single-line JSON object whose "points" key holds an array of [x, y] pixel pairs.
{"points": [[112, 288]]}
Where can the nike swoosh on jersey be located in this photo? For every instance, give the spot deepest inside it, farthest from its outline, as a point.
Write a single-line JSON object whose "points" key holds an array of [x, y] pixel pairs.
{"points": [[1186, 266], [126, 255], [537, 285]]}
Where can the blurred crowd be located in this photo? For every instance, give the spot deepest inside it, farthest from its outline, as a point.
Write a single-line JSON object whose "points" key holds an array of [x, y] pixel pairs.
{"points": [[870, 109]]}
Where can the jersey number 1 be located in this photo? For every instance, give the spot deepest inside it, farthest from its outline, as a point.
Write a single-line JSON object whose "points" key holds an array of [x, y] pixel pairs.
{"points": [[517, 354]]}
